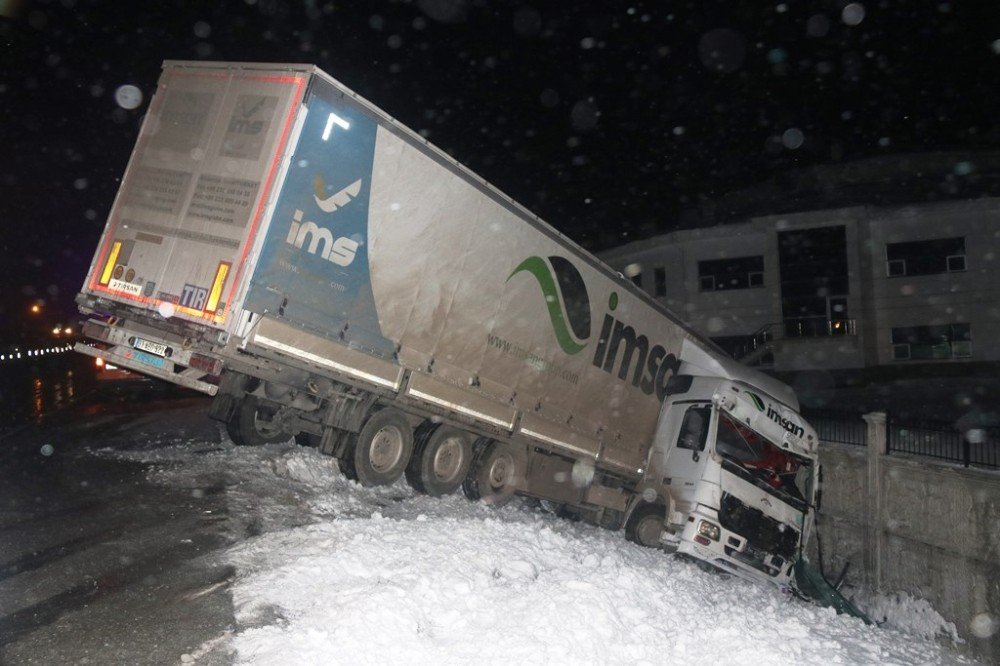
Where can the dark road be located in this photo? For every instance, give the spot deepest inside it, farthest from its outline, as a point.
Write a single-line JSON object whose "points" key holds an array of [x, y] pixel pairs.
{"points": [[33, 388], [97, 564]]}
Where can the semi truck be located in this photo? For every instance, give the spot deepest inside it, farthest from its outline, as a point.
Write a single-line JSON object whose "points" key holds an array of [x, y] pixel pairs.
{"points": [[280, 243]]}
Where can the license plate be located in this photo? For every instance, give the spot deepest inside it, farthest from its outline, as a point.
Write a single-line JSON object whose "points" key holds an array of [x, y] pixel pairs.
{"points": [[148, 359], [151, 347]]}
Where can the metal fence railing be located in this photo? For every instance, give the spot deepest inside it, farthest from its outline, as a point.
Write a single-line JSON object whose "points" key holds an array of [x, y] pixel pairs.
{"points": [[970, 446], [975, 445], [838, 427]]}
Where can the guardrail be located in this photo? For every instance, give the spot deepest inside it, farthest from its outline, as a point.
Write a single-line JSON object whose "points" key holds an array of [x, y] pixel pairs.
{"points": [[819, 327], [14, 354], [752, 349]]}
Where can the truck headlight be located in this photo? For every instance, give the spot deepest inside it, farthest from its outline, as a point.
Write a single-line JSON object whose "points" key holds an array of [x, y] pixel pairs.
{"points": [[710, 530]]}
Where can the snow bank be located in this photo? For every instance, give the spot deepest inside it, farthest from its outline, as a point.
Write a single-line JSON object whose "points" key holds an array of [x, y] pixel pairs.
{"points": [[335, 573], [909, 614], [468, 587]]}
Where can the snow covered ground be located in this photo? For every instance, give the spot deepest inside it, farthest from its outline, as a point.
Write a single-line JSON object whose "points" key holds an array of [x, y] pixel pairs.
{"points": [[329, 572]]}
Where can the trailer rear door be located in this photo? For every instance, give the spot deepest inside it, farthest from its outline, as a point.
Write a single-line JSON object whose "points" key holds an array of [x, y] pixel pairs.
{"points": [[195, 193]]}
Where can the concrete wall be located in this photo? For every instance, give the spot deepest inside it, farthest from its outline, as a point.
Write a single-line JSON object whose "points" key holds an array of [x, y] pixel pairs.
{"points": [[928, 529]]}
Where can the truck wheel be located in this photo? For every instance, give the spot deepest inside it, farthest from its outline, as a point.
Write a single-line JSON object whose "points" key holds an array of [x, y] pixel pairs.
{"points": [[251, 424], [645, 525], [307, 439], [381, 451], [346, 466], [496, 472], [441, 458]]}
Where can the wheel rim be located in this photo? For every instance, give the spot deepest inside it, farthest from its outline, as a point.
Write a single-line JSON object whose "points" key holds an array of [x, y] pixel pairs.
{"points": [[386, 449], [263, 426], [447, 461], [649, 531], [500, 471]]}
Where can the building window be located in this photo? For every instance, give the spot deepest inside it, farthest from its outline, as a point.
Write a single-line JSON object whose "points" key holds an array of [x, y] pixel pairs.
{"points": [[813, 268], [660, 282], [736, 273], [941, 255], [923, 343]]}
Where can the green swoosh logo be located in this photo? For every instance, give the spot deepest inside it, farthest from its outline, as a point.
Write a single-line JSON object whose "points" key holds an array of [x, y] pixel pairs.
{"points": [[537, 267]]}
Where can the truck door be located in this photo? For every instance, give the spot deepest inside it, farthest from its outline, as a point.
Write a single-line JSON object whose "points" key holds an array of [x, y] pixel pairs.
{"points": [[686, 457]]}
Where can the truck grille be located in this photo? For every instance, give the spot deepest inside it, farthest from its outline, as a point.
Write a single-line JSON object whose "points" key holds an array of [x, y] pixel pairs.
{"points": [[761, 532]]}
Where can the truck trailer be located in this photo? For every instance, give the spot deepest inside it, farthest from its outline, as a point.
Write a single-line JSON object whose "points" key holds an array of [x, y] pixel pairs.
{"points": [[327, 274]]}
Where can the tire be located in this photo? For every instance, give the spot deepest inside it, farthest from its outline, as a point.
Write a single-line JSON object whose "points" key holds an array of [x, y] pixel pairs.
{"points": [[346, 466], [232, 429], [382, 450], [496, 472], [420, 435], [441, 458], [645, 524], [250, 425], [307, 439]]}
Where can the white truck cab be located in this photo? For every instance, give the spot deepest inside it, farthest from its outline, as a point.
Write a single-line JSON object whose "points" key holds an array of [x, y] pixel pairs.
{"points": [[738, 472]]}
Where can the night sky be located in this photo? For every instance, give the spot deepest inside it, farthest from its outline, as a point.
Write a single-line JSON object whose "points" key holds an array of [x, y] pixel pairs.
{"points": [[606, 119]]}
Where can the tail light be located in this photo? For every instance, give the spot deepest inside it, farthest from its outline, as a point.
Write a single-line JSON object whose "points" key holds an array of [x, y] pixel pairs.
{"points": [[206, 364]]}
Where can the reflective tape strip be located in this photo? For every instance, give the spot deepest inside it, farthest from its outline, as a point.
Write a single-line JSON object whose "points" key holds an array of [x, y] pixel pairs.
{"points": [[221, 273], [550, 440], [460, 408], [319, 360], [619, 464], [116, 247]]}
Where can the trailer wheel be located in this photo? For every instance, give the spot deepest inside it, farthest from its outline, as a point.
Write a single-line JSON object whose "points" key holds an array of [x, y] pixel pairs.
{"points": [[251, 424], [381, 451], [645, 525], [441, 458], [496, 472], [420, 435]]}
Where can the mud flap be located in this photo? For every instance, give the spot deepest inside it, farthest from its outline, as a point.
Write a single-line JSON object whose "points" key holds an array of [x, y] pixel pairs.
{"points": [[812, 585]]}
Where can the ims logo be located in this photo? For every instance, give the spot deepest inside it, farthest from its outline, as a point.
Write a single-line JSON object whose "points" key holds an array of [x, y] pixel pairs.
{"points": [[619, 350], [319, 240]]}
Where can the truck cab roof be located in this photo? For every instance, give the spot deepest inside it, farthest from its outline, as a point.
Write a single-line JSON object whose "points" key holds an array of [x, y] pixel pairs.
{"points": [[699, 361]]}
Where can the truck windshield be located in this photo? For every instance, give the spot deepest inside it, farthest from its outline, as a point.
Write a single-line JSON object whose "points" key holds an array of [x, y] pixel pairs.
{"points": [[752, 456]]}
